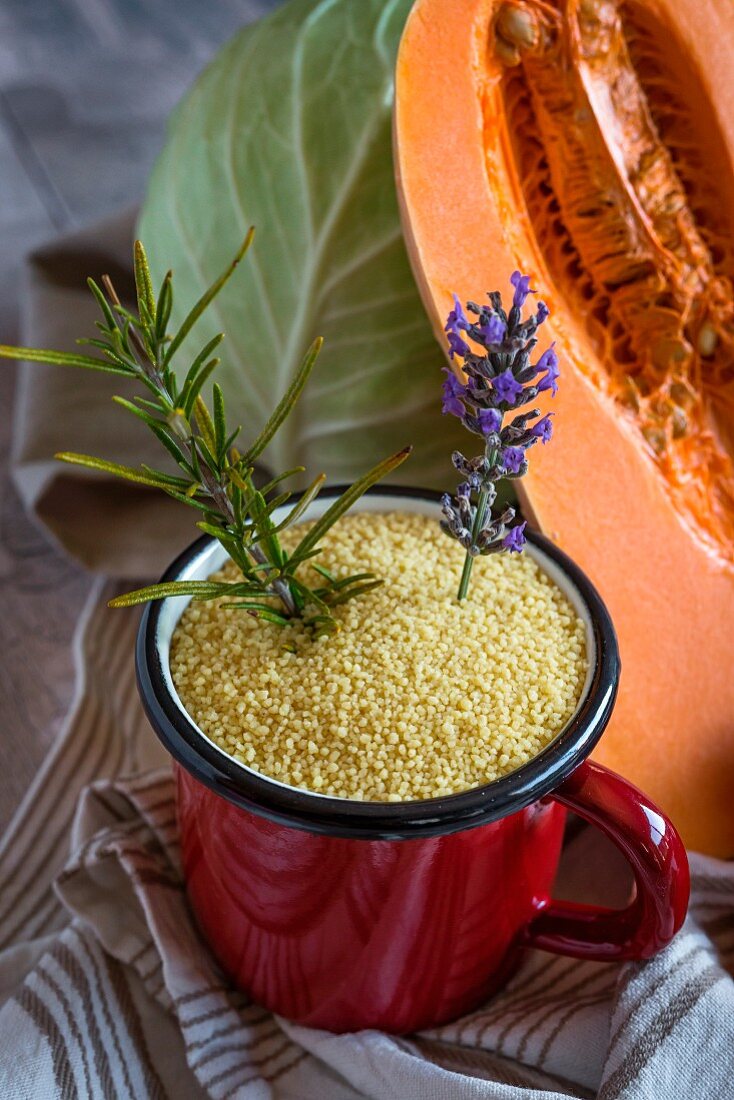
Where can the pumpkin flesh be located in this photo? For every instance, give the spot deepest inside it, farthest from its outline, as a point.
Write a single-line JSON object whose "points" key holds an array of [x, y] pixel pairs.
{"points": [[585, 142]]}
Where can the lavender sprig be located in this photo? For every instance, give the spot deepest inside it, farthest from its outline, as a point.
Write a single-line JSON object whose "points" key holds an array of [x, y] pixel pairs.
{"points": [[499, 380]]}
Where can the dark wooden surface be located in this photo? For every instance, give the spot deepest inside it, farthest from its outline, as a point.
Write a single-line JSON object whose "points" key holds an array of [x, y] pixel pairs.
{"points": [[85, 89]]}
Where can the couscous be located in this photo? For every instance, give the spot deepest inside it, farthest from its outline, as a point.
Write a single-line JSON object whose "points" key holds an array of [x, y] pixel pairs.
{"points": [[417, 696]]}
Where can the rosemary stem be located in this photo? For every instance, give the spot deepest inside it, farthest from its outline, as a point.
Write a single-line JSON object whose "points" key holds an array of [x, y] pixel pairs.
{"points": [[280, 587], [138, 348]]}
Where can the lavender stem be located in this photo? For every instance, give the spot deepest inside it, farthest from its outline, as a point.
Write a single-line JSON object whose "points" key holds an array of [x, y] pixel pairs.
{"points": [[480, 517]]}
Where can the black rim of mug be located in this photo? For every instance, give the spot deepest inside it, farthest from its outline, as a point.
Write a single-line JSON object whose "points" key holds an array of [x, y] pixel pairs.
{"points": [[382, 820]]}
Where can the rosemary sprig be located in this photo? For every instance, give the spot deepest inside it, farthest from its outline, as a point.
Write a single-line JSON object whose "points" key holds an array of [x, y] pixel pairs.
{"points": [[498, 382], [214, 477]]}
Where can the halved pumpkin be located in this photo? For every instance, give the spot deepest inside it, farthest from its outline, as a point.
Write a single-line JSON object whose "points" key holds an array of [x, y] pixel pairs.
{"points": [[591, 143]]}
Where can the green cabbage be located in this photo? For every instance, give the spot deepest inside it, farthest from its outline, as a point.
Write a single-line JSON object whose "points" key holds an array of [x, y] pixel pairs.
{"points": [[289, 129]]}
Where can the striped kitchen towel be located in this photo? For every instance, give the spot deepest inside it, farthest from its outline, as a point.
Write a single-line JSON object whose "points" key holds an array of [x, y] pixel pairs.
{"points": [[107, 991]]}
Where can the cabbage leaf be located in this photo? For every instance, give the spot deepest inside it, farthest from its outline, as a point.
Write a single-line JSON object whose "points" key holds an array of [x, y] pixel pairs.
{"points": [[289, 129]]}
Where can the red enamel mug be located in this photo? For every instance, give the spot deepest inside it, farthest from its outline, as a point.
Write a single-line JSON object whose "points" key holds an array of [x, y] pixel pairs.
{"points": [[345, 915]]}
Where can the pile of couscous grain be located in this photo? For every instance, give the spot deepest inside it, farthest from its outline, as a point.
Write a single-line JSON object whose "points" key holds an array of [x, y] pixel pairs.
{"points": [[417, 696]]}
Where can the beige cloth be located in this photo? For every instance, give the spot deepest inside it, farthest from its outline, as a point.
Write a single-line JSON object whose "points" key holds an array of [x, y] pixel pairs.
{"points": [[107, 990], [109, 525]]}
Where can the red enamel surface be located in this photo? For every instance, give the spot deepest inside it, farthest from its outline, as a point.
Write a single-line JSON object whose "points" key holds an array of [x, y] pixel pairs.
{"points": [[346, 934], [400, 935], [659, 862]]}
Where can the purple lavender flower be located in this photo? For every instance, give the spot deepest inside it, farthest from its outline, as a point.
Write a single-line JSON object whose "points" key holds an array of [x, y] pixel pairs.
{"points": [[512, 459], [494, 330], [457, 320], [489, 421], [457, 346], [453, 391], [506, 387], [542, 429], [548, 362], [456, 323], [522, 287], [515, 538], [496, 349]]}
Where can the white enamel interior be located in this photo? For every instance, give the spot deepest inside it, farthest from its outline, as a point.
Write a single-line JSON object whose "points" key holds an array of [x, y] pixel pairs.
{"points": [[214, 556]]}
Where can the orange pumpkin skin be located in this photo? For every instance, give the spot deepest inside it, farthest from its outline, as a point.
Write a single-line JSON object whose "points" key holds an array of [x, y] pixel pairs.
{"points": [[637, 483]]}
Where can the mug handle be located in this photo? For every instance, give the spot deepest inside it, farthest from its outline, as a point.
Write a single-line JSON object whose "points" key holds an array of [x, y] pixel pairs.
{"points": [[659, 862]]}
